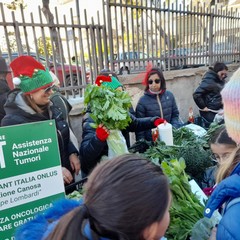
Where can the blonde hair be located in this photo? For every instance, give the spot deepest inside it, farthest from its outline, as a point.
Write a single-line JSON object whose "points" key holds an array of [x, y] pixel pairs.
{"points": [[225, 169]]}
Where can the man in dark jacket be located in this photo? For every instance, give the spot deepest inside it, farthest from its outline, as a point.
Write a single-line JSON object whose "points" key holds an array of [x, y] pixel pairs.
{"points": [[207, 96], [4, 88]]}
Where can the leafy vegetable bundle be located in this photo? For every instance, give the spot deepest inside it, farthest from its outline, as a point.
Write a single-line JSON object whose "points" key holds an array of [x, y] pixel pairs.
{"points": [[193, 149], [108, 107], [189, 155], [186, 208]]}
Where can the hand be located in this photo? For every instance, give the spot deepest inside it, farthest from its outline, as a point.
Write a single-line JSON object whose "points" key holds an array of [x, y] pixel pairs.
{"points": [[75, 163], [221, 112], [67, 176], [102, 133], [159, 121], [213, 235]]}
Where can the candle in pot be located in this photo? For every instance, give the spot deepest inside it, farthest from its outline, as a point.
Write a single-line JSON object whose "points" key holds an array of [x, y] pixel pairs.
{"points": [[165, 133]]}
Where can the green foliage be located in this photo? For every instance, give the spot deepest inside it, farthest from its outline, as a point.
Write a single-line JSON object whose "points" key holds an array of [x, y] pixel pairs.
{"points": [[213, 127], [186, 208], [188, 157], [108, 107], [187, 145], [77, 195], [14, 5], [40, 44]]}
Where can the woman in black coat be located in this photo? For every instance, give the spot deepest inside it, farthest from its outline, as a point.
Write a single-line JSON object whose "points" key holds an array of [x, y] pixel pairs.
{"points": [[156, 101], [207, 96]]}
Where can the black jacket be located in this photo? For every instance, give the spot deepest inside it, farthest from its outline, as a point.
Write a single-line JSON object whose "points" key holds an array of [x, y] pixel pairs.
{"points": [[208, 93], [18, 112], [148, 106], [4, 89], [92, 149]]}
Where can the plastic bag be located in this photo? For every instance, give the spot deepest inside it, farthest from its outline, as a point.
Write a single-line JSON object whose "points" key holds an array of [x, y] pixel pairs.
{"points": [[116, 144], [202, 230]]}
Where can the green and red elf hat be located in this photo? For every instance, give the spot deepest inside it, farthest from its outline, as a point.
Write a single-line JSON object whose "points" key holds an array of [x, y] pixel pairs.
{"points": [[30, 75], [108, 81]]}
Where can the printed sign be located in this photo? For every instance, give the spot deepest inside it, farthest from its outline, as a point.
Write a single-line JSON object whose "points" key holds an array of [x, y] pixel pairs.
{"points": [[30, 173]]}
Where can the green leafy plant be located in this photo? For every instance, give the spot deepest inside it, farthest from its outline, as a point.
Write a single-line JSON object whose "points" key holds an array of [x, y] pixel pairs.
{"points": [[195, 151], [108, 107], [186, 208]]}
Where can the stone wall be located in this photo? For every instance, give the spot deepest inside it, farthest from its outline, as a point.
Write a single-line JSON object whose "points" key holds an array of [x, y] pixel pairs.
{"points": [[181, 83]]}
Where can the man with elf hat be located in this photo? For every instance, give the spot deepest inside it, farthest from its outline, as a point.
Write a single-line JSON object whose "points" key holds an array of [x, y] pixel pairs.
{"points": [[94, 141], [30, 102], [226, 195]]}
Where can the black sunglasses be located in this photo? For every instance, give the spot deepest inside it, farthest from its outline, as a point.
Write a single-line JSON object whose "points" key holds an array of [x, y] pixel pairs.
{"points": [[48, 89], [156, 81]]}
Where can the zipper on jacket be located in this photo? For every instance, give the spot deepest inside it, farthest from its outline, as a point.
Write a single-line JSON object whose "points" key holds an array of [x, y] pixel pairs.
{"points": [[160, 106]]}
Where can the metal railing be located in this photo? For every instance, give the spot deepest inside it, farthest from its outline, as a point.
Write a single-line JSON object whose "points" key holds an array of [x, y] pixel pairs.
{"points": [[170, 36], [127, 37]]}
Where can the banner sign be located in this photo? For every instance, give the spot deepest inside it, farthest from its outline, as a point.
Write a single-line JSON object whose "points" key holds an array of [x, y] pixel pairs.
{"points": [[30, 173]]}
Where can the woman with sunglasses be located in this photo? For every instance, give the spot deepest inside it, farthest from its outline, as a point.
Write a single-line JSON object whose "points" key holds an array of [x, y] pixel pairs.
{"points": [[157, 101], [30, 102]]}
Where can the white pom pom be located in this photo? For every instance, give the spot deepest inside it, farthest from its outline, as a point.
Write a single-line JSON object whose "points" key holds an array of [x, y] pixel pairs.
{"points": [[16, 81]]}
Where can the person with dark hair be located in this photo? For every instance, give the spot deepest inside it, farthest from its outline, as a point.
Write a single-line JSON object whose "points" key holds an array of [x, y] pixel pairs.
{"points": [[157, 101], [30, 102], [226, 195], [94, 140], [4, 88], [127, 197], [207, 96]]}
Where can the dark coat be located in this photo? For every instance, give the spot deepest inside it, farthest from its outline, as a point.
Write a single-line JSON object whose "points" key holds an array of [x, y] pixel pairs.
{"points": [[227, 192], [60, 101], [148, 106], [92, 149], [24, 114], [4, 89], [208, 92]]}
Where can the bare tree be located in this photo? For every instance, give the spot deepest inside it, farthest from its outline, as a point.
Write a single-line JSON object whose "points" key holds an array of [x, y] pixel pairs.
{"points": [[54, 33]]}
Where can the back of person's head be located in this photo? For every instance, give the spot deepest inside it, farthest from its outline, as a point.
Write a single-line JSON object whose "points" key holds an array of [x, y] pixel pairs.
{"points": [[219, 66], [3, 68], [123, 197], [107, 72], [55, 79], [231, 105], [151, 72]]}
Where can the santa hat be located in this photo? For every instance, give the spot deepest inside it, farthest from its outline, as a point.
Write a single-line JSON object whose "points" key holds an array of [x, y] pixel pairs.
{"points": [[109, 81], [30, 75], [231, 104]]}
